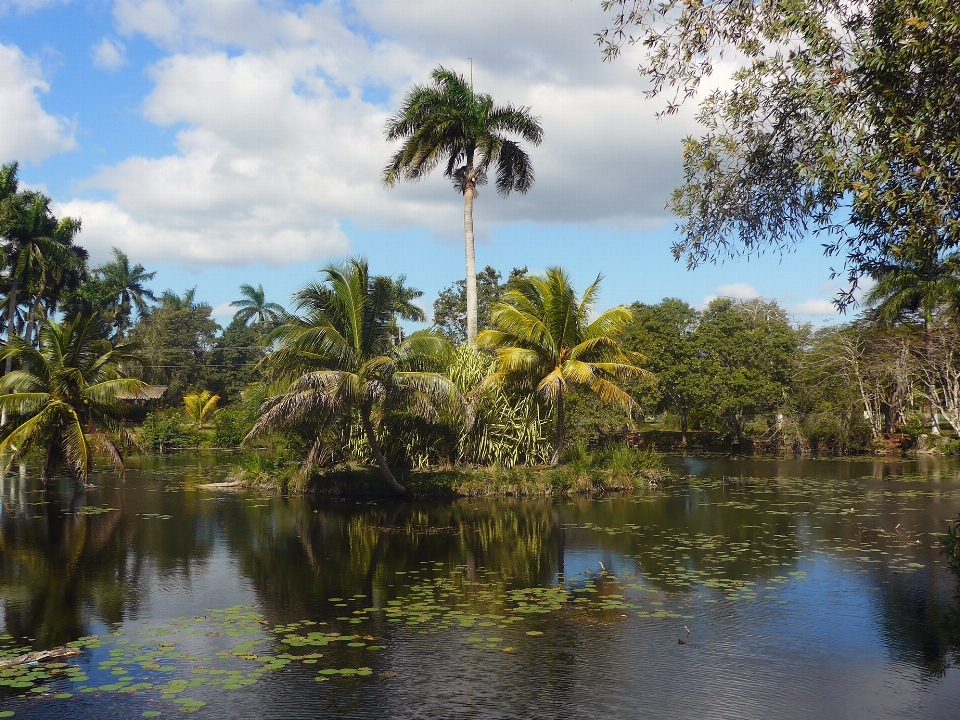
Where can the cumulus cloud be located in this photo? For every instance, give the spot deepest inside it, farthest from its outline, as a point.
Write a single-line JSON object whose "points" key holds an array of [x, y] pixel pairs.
{"points": [[223, 311], [739, 291], [184, 239], [28, 132], [279, 113], [109, 54], [26, 6], [814, 307]]}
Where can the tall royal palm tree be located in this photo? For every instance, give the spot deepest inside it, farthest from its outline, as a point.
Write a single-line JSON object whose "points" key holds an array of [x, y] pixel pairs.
{"points": [[67, 396], [338, 357], [123, 287], [448, 122], [916, 286], [546, 343], [254, 306]]}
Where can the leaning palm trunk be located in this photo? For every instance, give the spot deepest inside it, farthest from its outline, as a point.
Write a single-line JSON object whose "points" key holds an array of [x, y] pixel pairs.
{"points": [[377, 452], [468, 195]]}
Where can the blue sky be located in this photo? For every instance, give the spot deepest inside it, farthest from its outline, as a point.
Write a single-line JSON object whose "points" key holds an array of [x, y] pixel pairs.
{"points": [[222, 142]]}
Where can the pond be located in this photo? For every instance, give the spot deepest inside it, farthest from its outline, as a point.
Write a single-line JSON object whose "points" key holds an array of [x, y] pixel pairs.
{"points": [[742, 589]]}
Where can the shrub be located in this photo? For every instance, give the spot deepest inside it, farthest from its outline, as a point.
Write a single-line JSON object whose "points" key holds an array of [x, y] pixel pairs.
{"points": [[164, 432]]}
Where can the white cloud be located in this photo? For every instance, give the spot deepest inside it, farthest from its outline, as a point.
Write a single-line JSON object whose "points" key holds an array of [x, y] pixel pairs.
{"points": [[739, 291], [109, 54], [105, 225], [27, 6], [814, 307], [28, 132], [280, 114], [223, 311]]}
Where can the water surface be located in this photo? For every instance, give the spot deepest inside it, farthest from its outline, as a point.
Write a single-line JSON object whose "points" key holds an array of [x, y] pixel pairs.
{"points": [[746, 589]]}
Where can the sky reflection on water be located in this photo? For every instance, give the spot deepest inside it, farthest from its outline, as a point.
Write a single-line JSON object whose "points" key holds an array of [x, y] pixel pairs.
{"points": [[821, 597]]}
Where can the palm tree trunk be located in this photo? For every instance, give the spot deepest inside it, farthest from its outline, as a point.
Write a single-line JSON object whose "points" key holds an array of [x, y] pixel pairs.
{"points": [[32, 319], [11, 317], [468, 195], [378, 453], [931, 388], [561, 431]]}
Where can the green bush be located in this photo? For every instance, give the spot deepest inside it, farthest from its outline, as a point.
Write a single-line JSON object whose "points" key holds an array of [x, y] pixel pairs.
{"points": [[232, 423], [230, 427], [165, 432], [623, 461]]}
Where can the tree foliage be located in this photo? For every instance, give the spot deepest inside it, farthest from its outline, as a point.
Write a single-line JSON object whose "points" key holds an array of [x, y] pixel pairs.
{"points": [[67, 397], [840, 118], [546, 342], [175, 336], [338, 356], [447, 122], [450, 307]]}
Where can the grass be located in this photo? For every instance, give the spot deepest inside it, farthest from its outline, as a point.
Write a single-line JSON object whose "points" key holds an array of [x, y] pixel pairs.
{"points": [[615, 469]]}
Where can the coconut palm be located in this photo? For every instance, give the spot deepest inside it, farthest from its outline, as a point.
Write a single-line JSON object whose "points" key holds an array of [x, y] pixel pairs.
{"points": [[201, 407], [123, 288], [918, 286], [254, 306], [338, 357], [448, 122], [67, 396], [546, 343]]}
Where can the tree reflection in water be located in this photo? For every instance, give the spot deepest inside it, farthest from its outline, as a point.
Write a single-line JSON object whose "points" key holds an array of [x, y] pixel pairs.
{"points": [[71, 564]]}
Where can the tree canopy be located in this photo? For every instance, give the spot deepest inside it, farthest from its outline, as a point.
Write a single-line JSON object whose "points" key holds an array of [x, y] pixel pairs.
{"points": [[839, 118], [67, 397], [547, 342]]}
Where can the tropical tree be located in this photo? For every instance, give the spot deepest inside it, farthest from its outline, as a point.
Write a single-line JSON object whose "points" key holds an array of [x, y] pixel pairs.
{"points": [[338, 356], [663, 334], [839, 117], [448, 122], [254, 306], [746, 359], [123, 287], [177, 335], [916, 286], [201, 407], [40, 252], [406, 309], [546, 342], [67, 396]]}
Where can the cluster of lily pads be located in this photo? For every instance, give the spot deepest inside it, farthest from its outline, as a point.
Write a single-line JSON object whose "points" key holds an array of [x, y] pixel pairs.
{"points": [[230, 649]]}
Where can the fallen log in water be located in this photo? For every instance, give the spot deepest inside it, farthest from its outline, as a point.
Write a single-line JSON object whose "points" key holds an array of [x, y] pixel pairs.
{"points": [[41, 656], [228, 485]]}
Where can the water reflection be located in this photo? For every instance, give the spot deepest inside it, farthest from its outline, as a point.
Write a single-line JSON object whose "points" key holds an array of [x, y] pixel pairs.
{"points": [[838, 570]]}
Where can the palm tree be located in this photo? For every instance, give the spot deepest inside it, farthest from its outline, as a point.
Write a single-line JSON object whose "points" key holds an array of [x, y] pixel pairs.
{"points": [[916, 285], [254, 306], [40, 252], [405, 307], [67, 396], [545, 343], [200, 407], [124, 286], [339, 356], [448, 122]]}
